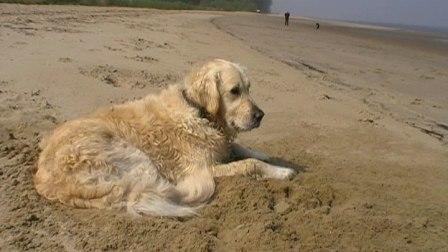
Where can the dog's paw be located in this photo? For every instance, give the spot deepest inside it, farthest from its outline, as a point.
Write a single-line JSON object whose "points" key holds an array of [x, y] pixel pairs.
{"points": [[278, 172]]}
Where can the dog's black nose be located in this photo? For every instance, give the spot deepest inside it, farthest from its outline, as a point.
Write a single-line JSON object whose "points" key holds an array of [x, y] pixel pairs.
{"points": [[258, 115]]}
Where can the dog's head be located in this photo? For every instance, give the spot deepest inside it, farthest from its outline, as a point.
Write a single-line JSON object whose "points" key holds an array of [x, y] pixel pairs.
{"points": [[222, 89]]}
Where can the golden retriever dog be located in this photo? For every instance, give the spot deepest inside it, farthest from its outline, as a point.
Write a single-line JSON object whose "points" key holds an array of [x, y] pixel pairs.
{"points": [[158, 155]]}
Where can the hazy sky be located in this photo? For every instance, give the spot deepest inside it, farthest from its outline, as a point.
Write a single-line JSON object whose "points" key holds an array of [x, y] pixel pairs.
{"points": [[433, 13]]}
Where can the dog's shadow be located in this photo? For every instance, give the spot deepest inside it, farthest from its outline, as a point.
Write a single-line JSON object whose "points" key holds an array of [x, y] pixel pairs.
{"points": [[278, 161]]}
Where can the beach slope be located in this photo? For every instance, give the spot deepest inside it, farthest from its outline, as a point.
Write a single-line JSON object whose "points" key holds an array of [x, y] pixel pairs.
{"points": [[360, 112]]}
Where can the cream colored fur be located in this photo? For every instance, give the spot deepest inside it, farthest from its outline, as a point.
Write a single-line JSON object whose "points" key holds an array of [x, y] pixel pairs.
{"points": [[158, 155]]}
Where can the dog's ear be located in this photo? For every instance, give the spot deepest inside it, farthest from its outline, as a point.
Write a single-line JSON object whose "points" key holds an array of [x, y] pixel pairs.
{"points": [[202, 88]]}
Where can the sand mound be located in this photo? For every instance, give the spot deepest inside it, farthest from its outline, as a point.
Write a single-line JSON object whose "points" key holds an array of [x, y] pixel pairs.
{"points": [[244, 213]]}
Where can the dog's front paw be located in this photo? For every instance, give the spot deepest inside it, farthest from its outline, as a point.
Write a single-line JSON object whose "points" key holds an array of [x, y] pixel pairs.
{"points": [[280, 172]]}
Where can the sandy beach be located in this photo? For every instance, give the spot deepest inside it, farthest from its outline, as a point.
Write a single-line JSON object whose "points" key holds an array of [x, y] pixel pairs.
{"points": [[361, 112]]}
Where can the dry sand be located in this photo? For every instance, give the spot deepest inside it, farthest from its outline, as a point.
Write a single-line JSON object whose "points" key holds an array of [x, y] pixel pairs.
{"points": [[361, 113]]}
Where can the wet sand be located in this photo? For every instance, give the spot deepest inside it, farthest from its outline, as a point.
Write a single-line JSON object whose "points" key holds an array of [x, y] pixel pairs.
{"points": [[361, 113]]}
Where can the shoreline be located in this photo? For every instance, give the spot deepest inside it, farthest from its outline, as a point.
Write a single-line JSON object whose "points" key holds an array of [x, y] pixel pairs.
{"points": [[431, 41], [434, 31], [439, 31]]}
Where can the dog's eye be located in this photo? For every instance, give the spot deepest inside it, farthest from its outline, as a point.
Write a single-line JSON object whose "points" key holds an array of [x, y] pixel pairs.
{"points": [[235, 90]]}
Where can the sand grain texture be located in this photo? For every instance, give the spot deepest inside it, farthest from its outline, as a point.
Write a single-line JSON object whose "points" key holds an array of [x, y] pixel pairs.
{"points": [[361, 113]]}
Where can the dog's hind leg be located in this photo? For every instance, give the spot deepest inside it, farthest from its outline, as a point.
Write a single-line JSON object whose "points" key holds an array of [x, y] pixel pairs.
{"points": [[197, 187], [148, 192]]}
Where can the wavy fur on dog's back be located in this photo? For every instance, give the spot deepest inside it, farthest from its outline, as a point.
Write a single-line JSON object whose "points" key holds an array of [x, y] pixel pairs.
{"points": [[125, 156]]}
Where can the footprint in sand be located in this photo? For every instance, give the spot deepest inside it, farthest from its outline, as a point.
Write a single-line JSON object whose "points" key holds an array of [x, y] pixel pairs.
{"points": [[143, 58], [140, 44], [326, 97], [18, 44], [369, 117], [113, 49], [65, 60], [126, 78], [427, 77], [417, 101]]}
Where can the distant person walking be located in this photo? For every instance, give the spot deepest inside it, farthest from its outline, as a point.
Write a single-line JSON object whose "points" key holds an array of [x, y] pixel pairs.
{"points": [[287, 18], [317, 26]]}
